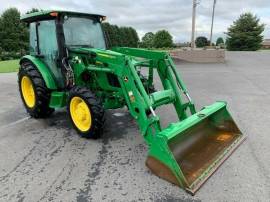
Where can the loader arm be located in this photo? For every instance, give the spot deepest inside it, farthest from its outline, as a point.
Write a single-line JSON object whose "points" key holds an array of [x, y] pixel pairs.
{"points": [[166, 71], [188, 152]]}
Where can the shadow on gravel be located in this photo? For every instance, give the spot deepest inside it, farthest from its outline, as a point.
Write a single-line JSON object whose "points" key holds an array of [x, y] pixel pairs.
{"points": [[115, 127], [118, 126]]}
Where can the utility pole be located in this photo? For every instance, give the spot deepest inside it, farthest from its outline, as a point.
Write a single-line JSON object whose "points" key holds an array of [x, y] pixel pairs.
{"points": [[193, 23], [213, 16]]}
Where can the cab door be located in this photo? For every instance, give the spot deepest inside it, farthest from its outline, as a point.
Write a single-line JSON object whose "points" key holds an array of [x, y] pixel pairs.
{"points": [[48, 48]]}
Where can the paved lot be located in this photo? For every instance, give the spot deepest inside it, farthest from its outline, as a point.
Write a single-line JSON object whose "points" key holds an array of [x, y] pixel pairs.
{"points": [[45, 160]]}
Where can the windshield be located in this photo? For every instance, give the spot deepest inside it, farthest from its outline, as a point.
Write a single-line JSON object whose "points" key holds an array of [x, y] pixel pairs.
{"points": [[83, 32]]}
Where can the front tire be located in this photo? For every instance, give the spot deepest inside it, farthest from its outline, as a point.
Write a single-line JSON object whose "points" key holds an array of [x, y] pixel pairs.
{"points": [[86, 112], [34, 93]]}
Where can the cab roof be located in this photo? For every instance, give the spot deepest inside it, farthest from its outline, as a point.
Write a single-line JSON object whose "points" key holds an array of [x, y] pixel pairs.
{"points": [[50, 14]]}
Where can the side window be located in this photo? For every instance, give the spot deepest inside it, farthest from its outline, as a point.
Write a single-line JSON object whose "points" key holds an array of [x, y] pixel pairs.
{"points": [[47, 38], [33, 39]]}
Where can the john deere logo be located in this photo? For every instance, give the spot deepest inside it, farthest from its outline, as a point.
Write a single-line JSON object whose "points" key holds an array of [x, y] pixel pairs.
{"points": [[105, 55]]}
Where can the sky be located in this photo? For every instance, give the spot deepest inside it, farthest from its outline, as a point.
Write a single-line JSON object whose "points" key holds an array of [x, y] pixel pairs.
{"points": [[154, 15]]}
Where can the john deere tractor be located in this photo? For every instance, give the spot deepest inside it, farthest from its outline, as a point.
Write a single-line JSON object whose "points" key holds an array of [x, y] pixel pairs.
{"points": [[70, 66]]}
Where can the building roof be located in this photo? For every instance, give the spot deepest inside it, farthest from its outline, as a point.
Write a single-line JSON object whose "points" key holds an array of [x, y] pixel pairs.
{"points": [[40, 15], [266, 42]]}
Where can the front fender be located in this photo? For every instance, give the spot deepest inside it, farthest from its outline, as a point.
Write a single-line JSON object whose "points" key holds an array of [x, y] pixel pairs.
{"points": [[43, 69]]}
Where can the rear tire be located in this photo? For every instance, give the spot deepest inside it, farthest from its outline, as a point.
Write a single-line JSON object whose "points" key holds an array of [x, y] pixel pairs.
{"points": [[34, 93], [86, 112]]}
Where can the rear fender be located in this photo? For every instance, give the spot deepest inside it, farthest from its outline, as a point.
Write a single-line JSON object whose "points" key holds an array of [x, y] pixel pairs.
{"points": [[43, 69]]}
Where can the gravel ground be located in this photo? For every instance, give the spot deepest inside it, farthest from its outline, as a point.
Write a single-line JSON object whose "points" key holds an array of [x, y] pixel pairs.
{"points": [[45, 160]]}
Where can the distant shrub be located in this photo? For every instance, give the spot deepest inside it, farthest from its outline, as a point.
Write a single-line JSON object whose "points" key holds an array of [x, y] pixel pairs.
{"points": [[201, 41]]}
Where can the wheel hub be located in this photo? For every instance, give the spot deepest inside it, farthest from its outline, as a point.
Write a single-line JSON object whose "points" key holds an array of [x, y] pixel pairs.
{"points": [[80, 114], [28, 91]]}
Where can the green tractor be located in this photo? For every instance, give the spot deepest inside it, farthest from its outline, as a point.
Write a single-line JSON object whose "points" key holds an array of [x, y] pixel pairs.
{"points": [[70, 66]]}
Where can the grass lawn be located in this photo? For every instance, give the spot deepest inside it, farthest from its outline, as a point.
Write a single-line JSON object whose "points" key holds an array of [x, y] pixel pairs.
{"points": [[9, 66], [265, 50]]}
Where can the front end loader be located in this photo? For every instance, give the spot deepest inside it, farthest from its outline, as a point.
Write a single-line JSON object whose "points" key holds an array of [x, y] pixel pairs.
{"points": [[69, 66]]}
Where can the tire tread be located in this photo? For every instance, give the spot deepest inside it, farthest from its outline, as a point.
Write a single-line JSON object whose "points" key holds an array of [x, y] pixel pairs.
{"points": [[41, 108], [96, 108]]}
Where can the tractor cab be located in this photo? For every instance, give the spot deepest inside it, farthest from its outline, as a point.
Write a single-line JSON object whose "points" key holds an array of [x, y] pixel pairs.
{"points": [[53, 33]]}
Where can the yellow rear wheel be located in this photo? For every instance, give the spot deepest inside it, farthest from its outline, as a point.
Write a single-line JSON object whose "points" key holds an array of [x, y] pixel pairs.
{"points": [[33, 90], [80, 114], [28, 91]]}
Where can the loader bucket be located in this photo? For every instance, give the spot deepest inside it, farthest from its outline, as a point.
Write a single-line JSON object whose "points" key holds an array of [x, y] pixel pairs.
{"points": [[187, 153]]}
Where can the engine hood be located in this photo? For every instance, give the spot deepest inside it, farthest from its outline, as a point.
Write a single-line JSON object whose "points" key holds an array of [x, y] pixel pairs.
{"points": [[99, 54]]}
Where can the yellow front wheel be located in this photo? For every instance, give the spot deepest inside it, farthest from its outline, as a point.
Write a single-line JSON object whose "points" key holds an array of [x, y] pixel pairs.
{"points": [[80, 114], [86, 112]]}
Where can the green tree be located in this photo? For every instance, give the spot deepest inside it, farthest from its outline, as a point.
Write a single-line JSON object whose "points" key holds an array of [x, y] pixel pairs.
{"points": [[219, 41], [201, 41], [117, 36], [112, 33], [33, 10], [148, 40], [245, 34], [0, 53], [1, 42], [13, 33], [108, 31], [124, 36], [163, 39], [120, 36], [134, 37]]}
